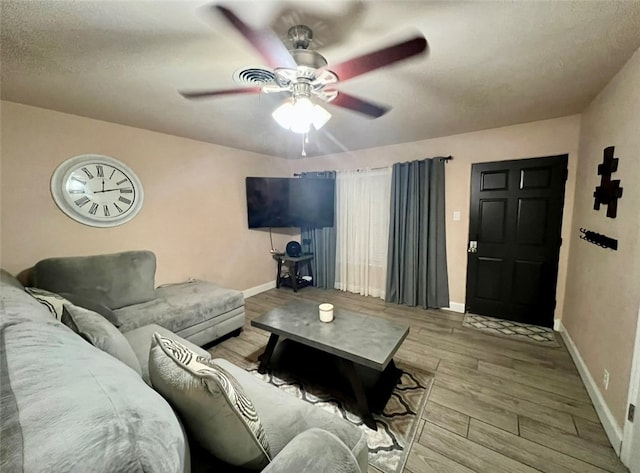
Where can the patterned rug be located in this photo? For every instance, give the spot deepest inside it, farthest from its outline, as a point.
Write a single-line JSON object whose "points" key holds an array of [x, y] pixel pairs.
{"points": [[389, 446], [507, 328]]}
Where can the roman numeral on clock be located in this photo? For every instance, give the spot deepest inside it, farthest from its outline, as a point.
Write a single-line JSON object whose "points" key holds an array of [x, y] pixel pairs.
{"points": [[121, 181], [82, 201], [99, 170], [93, 209], [118, 208], [126, 190], [105, 209], [124, 200], [87, 172]]}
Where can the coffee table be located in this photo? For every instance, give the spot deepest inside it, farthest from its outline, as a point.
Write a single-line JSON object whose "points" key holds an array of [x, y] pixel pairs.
{"points": [[356, 340]]}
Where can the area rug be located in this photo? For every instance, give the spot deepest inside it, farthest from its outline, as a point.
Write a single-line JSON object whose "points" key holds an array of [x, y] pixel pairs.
{"points": [[389, 446], [516, 330]]}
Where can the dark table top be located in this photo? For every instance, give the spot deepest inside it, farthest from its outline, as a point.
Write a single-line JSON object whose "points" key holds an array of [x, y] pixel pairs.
{"points": [[361, 338]]}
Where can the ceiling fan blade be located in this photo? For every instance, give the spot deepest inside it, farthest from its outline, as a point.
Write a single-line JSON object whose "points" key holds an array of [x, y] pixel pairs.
{"points": [[272, 50], [212, 93], [350, 102], [380, 58]]}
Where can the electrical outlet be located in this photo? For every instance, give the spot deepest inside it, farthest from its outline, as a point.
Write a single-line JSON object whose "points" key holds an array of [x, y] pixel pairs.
{"points": [[605, 379]]}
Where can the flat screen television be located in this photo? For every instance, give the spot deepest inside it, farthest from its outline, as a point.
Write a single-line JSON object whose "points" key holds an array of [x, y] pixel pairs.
{"points": [[290, 202]]}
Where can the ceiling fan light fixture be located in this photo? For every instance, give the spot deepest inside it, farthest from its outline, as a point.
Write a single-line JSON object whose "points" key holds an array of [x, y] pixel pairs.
{"points": [[299, 115]]}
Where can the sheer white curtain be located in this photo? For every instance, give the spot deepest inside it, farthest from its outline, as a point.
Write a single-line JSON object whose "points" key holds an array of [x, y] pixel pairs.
{"points": [[362, 216]]}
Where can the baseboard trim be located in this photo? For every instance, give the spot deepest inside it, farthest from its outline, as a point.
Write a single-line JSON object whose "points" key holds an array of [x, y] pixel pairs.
{"points": [[614, 432], [456, 307], [252, 291]]}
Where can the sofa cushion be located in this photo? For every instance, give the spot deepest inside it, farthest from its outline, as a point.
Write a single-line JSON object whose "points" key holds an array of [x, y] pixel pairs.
{"points": [[140, 340], [52, 301], [100, 333], [211, 403], [67, 406], [115, 280], [179, 306]]}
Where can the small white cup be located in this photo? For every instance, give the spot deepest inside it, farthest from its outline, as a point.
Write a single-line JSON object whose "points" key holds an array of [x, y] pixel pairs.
{"points": [[326, 312]]}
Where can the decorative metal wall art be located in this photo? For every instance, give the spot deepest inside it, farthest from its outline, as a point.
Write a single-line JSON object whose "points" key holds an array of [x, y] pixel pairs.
{"points": [[608, 192]]}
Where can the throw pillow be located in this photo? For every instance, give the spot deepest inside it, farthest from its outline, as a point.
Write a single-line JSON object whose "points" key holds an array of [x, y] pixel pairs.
{"points": [[90, 304], [100, 333], [211, 403], [52, 301]]}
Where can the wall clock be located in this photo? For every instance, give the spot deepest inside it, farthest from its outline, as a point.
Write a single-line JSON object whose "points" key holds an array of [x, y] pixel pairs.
{"points": [[97, 190]]}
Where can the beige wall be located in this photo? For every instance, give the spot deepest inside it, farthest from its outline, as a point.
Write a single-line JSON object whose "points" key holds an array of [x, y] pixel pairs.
{"points": [[530, 140], [194, 215], [603, 289]]}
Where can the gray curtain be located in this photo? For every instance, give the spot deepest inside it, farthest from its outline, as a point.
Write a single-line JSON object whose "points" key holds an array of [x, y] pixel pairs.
{"points": [[322, 243], [417, 259]]}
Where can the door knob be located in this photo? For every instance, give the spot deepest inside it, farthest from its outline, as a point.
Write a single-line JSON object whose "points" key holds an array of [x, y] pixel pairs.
{"points": [[473, 246]]}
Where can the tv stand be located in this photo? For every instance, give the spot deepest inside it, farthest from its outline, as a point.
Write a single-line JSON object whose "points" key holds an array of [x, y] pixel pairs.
{"points": [[292, 276]]}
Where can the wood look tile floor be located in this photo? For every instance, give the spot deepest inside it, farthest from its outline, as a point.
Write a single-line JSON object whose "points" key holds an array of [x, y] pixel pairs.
{"points": [[497, 405]]}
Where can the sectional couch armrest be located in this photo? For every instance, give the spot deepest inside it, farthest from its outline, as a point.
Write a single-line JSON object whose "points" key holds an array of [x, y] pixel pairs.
{"points": [[284, 417], [314, 451]]}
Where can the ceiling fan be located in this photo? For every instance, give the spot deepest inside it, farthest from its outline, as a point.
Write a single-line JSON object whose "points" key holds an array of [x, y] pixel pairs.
{"points": [[305, 74]]}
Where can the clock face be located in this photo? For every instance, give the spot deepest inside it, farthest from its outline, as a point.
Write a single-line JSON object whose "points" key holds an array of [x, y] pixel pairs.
{"points": [[97, 190]]}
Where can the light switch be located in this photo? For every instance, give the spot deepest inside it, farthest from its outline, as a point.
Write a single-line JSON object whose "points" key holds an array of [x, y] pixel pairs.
{"points": [[456, 215]]}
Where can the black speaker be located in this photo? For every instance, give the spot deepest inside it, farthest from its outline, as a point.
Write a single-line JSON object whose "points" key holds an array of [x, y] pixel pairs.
{"points": [[294, 249]]}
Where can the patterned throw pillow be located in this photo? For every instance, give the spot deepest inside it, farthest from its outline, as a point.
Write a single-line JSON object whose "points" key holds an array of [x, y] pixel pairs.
{"points": [[50, 300], [211, 403]]}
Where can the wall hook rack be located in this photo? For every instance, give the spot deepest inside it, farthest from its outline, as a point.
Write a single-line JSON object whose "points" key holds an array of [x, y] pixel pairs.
{"points": [[602, 241]]}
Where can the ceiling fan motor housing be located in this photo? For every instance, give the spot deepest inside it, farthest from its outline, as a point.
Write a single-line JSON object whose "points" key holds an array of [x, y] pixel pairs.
{"points": [[300, 37], [308, 58]]}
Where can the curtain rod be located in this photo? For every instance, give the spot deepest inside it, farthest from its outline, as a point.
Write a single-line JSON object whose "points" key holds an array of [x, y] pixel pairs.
{"points": [[444, 158], [348, 170], [372, 169]]}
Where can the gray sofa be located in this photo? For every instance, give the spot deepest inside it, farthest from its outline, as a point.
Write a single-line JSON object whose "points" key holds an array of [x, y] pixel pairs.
{"points": [[121, 286], [68, 406]]}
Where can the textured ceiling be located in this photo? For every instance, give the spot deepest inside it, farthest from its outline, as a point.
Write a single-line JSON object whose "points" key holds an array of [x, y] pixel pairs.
{"points": [[490, 64]]}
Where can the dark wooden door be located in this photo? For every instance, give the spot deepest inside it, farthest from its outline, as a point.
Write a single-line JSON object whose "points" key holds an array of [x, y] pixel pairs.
{"points": [[515, 220]]}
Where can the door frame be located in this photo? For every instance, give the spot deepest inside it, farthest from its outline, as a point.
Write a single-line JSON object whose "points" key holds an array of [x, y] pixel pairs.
{"points": [[632, 429]]}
